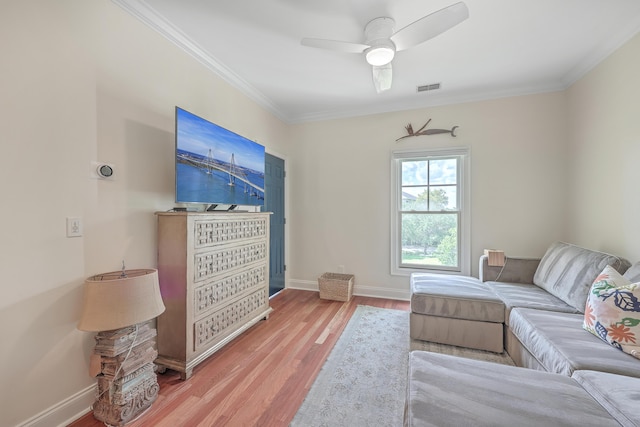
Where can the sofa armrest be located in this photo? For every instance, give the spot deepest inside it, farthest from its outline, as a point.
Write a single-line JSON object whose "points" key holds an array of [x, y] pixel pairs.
{"points": [[515, 270]]}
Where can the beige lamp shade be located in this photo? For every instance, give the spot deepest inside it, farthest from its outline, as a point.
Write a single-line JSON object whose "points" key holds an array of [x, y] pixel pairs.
{"points": [[112, 301]]}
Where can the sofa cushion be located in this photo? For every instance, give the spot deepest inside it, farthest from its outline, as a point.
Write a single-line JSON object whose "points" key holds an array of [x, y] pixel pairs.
{"points": [[633, 273], [452, 391], [530, 296], [618, 394], [567, 271], [459, 332], [560, 344], [459, 297], [612, 312]]}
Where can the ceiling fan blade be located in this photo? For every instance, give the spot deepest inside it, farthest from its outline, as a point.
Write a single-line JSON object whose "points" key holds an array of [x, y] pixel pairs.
{"points": [[382, 77], [335, 45], [430, 26]]}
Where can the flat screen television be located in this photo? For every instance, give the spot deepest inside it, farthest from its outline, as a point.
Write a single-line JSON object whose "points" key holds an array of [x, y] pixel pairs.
{"points": [[215, 166]]}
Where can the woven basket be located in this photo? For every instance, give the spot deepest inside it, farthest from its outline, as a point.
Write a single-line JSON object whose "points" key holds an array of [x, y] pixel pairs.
{"points": [[336, 286]]}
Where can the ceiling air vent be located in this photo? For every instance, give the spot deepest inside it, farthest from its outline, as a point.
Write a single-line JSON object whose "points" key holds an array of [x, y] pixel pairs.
{"points": [[425, 88]]}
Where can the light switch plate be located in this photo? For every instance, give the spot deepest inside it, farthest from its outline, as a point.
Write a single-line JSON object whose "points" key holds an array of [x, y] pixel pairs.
{"points": [[74, 227]]}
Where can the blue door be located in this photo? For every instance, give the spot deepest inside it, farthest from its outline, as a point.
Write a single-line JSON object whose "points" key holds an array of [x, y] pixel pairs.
{"points": [[274, 202]]}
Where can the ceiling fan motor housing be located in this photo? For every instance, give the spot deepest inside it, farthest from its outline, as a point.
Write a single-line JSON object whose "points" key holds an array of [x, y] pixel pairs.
{"points": [[381, 42], [378, 34]]}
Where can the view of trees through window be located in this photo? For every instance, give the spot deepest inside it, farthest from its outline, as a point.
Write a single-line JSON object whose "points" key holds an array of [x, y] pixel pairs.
{"points": [[429, 212]]}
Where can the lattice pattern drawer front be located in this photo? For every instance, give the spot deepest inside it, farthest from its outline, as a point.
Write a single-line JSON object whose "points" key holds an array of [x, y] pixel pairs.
{"points": [[228, 319], [213, 263], [208, 233], [220, 291]]}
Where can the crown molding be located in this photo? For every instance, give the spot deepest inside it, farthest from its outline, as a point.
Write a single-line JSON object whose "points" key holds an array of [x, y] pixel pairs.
{"points": [[149, 16], [604, 50], [432, 101]]}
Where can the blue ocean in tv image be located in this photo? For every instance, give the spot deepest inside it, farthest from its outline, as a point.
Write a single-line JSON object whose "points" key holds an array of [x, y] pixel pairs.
{"points": [[215, 165]]}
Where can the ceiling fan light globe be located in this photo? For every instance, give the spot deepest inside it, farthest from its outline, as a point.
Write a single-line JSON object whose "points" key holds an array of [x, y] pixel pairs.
{"points": [[380, 55]]}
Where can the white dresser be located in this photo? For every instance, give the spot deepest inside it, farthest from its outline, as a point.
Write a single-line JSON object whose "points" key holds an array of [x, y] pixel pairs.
{"points": [[214, 278]]}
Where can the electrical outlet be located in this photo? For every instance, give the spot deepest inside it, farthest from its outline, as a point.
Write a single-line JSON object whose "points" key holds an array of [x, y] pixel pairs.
{"points": [[74, 227]]}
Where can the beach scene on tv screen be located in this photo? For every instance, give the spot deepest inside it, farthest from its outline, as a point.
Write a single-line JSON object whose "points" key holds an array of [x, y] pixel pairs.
{"points": [[215, 165]]}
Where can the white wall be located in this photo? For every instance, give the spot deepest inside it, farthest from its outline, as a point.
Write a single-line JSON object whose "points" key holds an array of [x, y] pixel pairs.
{"points": [[48, 128], [341, 174], [84, 81], [604, 163]]}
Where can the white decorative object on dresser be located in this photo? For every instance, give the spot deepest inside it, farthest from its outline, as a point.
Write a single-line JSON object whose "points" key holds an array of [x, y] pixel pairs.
{"points": [[214, 280]]}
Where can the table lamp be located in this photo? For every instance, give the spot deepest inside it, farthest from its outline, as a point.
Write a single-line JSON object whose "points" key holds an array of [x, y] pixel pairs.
{"points": [[118, 305]]}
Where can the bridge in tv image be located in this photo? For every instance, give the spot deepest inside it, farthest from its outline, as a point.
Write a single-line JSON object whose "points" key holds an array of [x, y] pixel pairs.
{"points": [[207, 175]]}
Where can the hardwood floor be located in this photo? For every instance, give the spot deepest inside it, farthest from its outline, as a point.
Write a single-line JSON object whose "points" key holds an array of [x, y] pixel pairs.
{"points": [[261, 377]]}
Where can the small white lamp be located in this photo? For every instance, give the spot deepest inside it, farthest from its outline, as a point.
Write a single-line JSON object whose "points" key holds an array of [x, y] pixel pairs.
{"points": [[117, 305]]}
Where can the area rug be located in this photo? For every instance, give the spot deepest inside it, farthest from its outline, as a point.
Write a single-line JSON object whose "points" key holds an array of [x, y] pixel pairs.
{"points": [[363, 381]]}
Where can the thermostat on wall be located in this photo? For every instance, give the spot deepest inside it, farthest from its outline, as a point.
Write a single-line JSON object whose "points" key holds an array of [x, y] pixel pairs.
{"points": [[103, 170]]}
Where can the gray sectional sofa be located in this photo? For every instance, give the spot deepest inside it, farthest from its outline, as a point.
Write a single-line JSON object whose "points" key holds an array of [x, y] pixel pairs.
{"points": [[538, 307], [449, 391]]}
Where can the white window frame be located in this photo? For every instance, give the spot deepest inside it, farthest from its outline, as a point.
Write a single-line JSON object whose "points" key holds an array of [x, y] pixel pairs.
{"points": [[464, 200]]}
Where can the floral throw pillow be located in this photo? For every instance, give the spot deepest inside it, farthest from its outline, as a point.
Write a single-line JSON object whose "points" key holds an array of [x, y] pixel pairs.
{"points": [[613, 311]]}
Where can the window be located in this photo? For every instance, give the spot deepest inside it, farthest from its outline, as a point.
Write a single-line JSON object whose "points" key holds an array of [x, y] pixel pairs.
{"points": [[430, 212]]}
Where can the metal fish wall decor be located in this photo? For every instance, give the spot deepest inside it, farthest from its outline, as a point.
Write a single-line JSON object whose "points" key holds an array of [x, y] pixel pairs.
{"points": [[423, 131]]}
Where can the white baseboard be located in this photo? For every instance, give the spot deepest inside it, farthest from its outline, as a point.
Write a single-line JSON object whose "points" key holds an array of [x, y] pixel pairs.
{"points": [[65, 412], [369, 291], [304, 285], [365, 291]]}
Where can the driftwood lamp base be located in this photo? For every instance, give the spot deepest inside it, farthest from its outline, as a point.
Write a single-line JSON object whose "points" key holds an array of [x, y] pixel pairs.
{"points": [[127, 382]]}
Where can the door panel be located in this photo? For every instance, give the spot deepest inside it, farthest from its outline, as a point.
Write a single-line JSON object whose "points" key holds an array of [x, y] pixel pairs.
{"points": [[274, 202]]}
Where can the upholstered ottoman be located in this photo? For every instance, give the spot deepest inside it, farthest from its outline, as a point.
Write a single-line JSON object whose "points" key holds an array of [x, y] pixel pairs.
{"points": [[445, 390], [456, 310]]}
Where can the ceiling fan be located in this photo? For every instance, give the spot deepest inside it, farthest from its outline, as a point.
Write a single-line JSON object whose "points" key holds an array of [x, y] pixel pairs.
{"points": [[381, 42]]}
